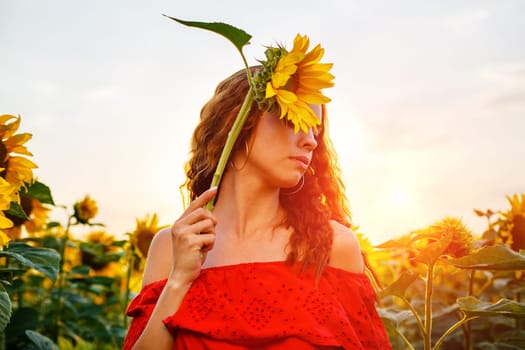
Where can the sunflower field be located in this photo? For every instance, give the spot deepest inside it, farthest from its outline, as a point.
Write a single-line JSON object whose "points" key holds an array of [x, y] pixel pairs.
{"points": [[438, 287]]}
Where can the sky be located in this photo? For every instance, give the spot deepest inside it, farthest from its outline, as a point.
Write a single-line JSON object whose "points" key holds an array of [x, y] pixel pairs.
{"points": [[427, 114]]}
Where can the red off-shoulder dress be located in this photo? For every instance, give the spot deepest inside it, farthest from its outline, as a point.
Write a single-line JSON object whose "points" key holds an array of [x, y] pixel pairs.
{"points": [[267, 305]]}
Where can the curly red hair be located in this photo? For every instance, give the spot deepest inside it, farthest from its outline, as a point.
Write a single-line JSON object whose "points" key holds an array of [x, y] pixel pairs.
{"points": [[308, 211]]}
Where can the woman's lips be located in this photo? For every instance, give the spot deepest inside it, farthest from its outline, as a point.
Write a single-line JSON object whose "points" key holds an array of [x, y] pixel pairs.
{"points": [[304, 161]]}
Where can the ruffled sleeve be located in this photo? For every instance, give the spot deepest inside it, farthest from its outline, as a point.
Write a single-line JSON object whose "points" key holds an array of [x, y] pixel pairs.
{"points": [[357, 297], [140, 309]]}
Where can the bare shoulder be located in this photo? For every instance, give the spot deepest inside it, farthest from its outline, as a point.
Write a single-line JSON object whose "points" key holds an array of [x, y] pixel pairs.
{"points": [[346, 252], [158, 263]]}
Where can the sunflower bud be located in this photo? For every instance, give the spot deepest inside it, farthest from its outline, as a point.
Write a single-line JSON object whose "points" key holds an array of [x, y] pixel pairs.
{"points": [[85, 210]]}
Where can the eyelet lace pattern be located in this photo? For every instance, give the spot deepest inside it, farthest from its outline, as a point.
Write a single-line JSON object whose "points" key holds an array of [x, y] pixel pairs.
{"points": [[268, 306]]}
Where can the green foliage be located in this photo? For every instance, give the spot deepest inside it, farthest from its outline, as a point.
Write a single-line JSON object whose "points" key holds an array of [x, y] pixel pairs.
{"points": [[55, 300], [5, 308], [41, 341], [400, 286], [492, 258], [471, 300], [16, 211], [41, 259], [38, 190], [238, 37], [472, 306]]}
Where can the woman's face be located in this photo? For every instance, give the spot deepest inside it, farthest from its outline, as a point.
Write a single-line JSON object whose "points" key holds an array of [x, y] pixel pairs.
{"points": [[278, 154]]}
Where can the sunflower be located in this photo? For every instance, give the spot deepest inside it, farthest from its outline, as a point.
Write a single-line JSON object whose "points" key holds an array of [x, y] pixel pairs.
{"points": [[36, 217], [19, 170], [99, 252], [8, 194], [85, 210], [16, 170], [38, 214], [143, 235], [512, 224], [448, 237], [294, 80]]}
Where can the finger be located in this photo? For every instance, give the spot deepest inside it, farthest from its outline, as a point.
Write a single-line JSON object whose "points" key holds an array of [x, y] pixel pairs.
{"points": [[203, 226], [207, 241], [195, 216], [185, 230], [201, 200]]}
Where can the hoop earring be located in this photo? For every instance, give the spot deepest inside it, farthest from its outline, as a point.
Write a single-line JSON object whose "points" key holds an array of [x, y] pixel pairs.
{"points": [[247, 152], [297, 189]]}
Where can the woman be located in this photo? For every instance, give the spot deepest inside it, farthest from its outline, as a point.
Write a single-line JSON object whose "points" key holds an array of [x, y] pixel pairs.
{"points": [[275, 265]]}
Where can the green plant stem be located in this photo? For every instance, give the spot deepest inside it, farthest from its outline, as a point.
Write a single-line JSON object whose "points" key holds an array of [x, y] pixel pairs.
{"points": [[416, 315], [247, 68], [452, 329], [20, 296], [467, 328], [230, 141], [428, 308], [405, 340], [60, 281]]}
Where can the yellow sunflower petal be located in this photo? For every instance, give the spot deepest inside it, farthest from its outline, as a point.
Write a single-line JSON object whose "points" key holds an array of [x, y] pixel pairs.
{"points": [[4, 223], [5, 117], [9, 129], [324, 67], [279, 79], [316, 74], [270, 91], [22, 162], [300, 43], [313, 56], [286, 97], [293, 116], [315, 84], [18, 139], [291, 58], [312, 97], [19, 149], [284, 109]]}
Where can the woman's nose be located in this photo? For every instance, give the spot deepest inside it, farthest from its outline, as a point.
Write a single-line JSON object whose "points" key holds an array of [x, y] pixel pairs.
{"points": [[308, 139]]}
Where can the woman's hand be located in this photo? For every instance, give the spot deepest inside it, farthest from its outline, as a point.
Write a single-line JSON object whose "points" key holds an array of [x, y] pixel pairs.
{"points": [[193, 234]]}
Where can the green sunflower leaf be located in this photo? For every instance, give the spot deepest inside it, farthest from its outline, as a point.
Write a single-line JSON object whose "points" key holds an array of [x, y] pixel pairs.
{"points": [[399, 287], [237, 36], [472, 306], [39, 191], [41, 341], [5, 308], [497, 257], [15, 210], [44, 260]]}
